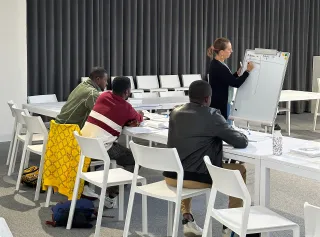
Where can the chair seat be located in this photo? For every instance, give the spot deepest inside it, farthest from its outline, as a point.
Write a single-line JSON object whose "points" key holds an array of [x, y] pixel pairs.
{"points": [[283, 109], [117, 176], [36, 148], [181, 89], [260, 219], [35, 138], [155, 89], [163, 191]]}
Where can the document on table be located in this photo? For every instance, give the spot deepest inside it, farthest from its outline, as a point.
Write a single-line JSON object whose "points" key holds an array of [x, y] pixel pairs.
{"points": [[253, 137], [141, 130], [312, 151], [156, 117]]}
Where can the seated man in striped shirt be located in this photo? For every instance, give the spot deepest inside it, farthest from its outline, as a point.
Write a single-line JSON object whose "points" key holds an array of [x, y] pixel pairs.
{"points": [[110, 113]]}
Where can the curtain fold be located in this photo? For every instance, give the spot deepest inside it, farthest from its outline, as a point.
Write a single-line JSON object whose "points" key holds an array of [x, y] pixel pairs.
{"points": [[66, 38]]}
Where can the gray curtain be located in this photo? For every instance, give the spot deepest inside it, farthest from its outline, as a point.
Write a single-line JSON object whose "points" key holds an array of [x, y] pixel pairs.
{"points": [[66, 38]]}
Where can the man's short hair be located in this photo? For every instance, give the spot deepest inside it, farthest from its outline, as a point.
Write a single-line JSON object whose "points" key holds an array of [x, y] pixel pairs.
{"points": [[198, 90], [120, 85], [97, 72]]}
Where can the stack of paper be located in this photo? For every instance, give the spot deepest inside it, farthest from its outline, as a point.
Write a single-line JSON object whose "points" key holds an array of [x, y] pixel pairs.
{"points": [[310, 151], [155, 124], [141, 130], [156, 117]]}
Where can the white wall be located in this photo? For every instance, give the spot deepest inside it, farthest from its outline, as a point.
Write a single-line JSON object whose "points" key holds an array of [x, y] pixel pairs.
{"points": [[13, 61]]}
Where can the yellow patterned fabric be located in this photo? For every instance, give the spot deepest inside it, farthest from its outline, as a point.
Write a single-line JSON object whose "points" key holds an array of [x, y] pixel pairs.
{"points": [[61, 160]]}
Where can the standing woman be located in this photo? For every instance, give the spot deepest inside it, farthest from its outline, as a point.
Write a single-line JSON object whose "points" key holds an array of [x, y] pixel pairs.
{"points": [[220, 76]]}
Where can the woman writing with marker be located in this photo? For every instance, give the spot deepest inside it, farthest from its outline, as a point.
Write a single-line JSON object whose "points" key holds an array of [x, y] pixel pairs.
{"points": [[220, 76]]}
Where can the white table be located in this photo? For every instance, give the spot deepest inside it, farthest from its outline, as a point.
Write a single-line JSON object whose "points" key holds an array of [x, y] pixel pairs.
{"points": [[253, 154], [291, 95]]}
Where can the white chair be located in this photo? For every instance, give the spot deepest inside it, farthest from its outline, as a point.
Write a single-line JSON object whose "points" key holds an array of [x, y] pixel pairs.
{"points": [[172, 94], [316, 113], [95, 149], [187, 79], [149, 83], [34, 125], [37, 99], [161, 159], [145, 95], [311, 220], [84, 79], [4, 228], [20, 137], [11, 103], [247, 219], [133, 87], [171, 82]]}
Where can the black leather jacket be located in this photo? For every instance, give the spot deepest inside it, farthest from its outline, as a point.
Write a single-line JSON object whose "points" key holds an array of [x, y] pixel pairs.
{"points": [[196, 131]]}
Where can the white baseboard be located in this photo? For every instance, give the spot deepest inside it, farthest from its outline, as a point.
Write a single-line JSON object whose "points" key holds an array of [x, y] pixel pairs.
{"points": [[5, 137]]}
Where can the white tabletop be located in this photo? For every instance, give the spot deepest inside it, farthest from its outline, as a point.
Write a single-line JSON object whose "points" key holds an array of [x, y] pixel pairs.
{"points": [[292, 95]]}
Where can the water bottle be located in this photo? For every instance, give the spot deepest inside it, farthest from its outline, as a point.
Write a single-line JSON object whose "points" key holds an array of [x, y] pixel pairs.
{"points": [[277, 141]]}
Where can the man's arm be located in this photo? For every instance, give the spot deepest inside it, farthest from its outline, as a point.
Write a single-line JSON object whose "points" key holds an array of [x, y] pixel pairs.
{"points": [[91, 100], [227, 133]]}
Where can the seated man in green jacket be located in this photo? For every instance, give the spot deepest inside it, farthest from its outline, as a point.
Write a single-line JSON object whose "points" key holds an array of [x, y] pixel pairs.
{"points": [[82, 99]]}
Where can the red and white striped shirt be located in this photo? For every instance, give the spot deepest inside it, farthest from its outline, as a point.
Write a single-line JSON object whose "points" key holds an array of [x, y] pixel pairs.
{"points": [[109, 114]]}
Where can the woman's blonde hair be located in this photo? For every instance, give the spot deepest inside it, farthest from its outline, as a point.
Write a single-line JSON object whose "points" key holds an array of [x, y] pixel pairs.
{"points": [[218, 45]]}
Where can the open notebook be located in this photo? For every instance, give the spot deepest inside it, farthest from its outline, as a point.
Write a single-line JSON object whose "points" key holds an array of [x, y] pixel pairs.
{"points": [[308, 150]]}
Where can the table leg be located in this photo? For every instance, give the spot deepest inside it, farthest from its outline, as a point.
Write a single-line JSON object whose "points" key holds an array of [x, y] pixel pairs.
{"points": [[288, 115], [257, 177], [265, 190]]}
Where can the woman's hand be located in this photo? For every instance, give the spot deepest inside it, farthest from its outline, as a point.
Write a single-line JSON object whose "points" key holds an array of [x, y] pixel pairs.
{"points": [[250, 66]]}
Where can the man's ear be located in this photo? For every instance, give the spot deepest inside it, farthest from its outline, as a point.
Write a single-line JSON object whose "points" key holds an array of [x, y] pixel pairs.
{"points": [[206, 99]]}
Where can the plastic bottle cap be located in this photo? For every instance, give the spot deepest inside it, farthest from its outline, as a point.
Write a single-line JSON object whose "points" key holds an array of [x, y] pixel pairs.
{"points": [[277, 127]]}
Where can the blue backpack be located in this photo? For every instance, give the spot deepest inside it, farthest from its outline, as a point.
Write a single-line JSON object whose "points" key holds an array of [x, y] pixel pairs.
{"points": [[82, 214]]}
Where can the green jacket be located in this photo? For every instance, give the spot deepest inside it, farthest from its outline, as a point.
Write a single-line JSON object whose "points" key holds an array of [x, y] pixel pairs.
{"points": [[79, 104]]}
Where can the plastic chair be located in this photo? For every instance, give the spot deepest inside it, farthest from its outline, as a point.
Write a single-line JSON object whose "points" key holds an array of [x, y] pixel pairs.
{"points": [[311, 220], [161, 159], [171, 82], [187, 79], [18, 137], [11, 103], [95, 149], [172, 94], [4, 228], [149, 83], [37, 99], [247, 219], [133, 87], [34, 126]]}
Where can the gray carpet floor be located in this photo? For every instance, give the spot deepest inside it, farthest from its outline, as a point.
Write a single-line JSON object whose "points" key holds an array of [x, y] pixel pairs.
{"points": [[27, 218]]}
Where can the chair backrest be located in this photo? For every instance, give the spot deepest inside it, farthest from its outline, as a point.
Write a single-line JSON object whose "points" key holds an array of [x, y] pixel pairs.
{"points": [[18, 114], [131, 81], [92, 147], [11, 103], [169, 81], [37, 99], [232, 184], [187, 79], [84, 79], [162, 159], [34, 124], [311, 220], [145, 95], [147, 82], [172, 94]]}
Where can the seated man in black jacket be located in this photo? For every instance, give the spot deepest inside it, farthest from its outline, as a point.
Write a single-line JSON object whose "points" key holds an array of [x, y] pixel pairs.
{"points": [[196, 130]]}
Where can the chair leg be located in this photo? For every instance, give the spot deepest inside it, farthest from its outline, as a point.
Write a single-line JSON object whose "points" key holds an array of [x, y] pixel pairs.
{"points": [[209, 229], [176, 219], [296, 231], [74, 200], [288, 115], [26, 163], [23, 157], [121, 202], [144, 212], [36, 196], [170, 219], [129, 211], [49, 193], [100, 210], [13, 155], [11, 144]]}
